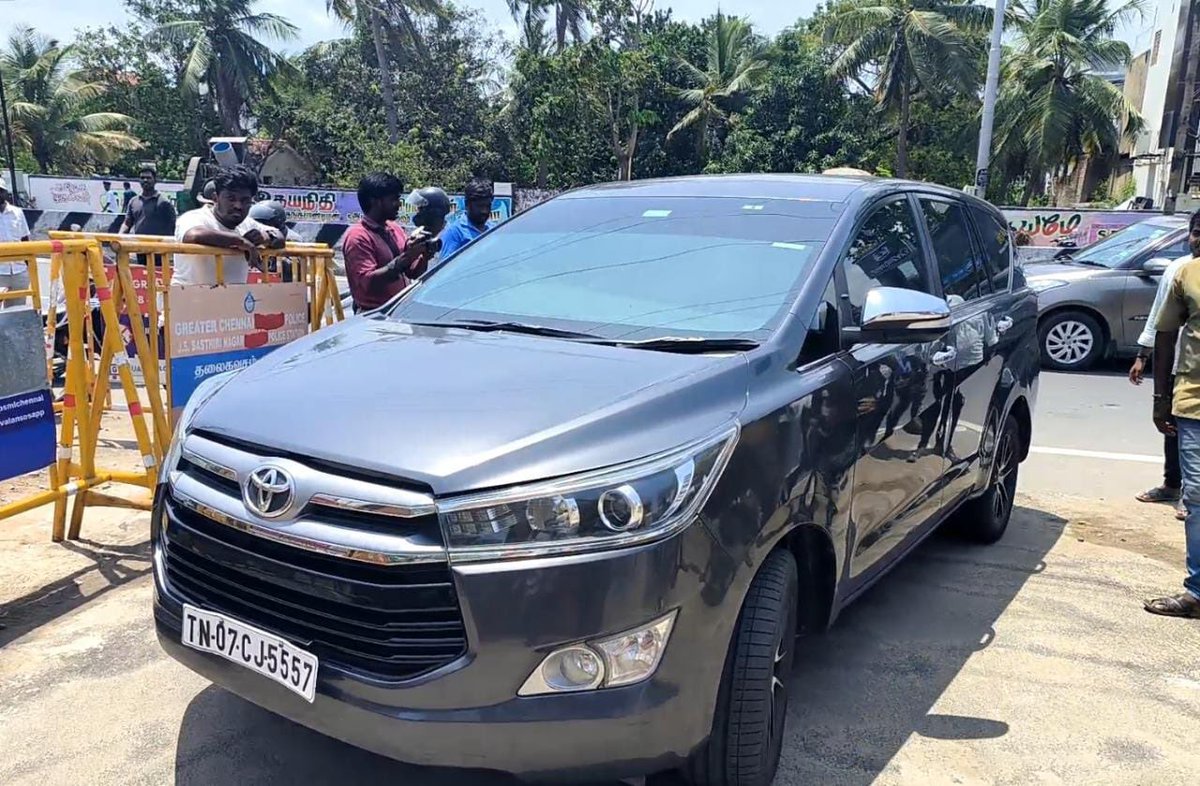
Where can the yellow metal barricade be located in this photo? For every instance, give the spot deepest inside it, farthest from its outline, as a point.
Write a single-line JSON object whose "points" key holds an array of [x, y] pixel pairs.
{"points": [[78, 261]]}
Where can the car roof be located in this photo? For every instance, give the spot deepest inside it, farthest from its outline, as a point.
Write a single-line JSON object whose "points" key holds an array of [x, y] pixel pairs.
{"points": [[845, 189]]}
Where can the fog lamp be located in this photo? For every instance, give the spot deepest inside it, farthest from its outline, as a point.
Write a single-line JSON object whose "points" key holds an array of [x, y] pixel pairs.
{"points": [[623, 659], [634, 655]]}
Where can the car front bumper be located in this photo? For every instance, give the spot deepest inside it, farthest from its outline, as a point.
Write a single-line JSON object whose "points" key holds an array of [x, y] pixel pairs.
{"points": [[467, 714]]}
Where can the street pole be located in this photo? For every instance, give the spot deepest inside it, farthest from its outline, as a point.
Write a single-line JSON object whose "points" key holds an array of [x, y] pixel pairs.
{"points": [[8, 145], [983, 157]]}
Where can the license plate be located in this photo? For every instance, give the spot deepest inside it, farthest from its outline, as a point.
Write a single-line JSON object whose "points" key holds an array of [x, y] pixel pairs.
{"points": [[257, 650]]}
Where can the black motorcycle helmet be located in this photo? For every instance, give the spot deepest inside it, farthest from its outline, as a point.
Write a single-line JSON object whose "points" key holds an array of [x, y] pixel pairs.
{"points": [[432, 206], [273, 214]]}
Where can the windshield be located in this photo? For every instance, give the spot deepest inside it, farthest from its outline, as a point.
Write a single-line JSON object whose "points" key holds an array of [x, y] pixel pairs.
{"points": [[1120, 247], [633, 268]]}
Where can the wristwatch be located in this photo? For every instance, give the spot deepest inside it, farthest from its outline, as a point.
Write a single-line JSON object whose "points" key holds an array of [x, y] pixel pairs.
{"points": [[1143, 353]]}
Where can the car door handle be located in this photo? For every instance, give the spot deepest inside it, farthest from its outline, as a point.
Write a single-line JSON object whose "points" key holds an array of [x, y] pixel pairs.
{"points": [[945, 357], [1004, 325]]}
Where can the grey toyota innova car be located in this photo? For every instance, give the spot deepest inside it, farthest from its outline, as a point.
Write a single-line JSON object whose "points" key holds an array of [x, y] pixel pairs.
{"points": [[565, 506]]}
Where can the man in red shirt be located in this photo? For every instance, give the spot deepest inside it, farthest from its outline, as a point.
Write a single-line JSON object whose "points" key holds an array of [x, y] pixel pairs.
{"points": [[380, 259]]}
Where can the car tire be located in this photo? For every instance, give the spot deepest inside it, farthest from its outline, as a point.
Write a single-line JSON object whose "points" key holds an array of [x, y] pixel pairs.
{"points": [[747, 734], [1070, 341], [985, 518]]}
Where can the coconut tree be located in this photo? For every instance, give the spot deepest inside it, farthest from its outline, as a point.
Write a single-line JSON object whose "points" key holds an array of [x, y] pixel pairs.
{"points": [[571, 17], [225, 53], [49, 105], [899, 49], [388, 22], [1055, 106], [734, 66]]}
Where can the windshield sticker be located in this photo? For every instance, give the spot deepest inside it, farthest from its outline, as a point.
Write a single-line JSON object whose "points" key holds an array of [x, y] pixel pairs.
{"points": [[753, 207], [791, 246], [656, 214]]}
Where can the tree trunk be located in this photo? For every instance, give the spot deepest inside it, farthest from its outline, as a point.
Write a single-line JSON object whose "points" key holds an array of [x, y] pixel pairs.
{"points": [[229, 105], [902, 135], [543, 171], [560, 27], [385, 76]]}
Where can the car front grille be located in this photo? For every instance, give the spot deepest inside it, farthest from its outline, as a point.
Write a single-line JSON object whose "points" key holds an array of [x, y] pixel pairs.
{"points": [[388, 622]]}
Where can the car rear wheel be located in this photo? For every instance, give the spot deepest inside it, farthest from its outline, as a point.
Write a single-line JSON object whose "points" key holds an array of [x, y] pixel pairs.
{"points": [[747, 733], [1070, 341], [985, 518]]}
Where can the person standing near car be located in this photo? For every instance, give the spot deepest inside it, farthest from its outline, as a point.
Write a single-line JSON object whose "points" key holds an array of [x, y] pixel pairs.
{"points": [[380, 259], [226, 224], [13, 228], [476, 218], [1177, 411], [1171, 490]]}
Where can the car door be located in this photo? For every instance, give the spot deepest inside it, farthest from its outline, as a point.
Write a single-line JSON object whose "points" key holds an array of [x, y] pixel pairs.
{"points": [[977, 307], [1140, 287], [899, 464]]}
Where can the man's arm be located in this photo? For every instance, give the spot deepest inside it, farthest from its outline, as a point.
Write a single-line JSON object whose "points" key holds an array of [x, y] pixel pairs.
{"points": [[127, 224], [1147, 339], [1168, 322]]}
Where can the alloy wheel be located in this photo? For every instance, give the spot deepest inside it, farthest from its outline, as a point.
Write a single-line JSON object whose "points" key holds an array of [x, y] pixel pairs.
{"points": [[1005, 479], [1069, 342]]}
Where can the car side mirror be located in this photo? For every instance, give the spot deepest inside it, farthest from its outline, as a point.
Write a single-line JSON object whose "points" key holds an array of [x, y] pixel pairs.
{"points": [[1155, 267], [902, 316]]}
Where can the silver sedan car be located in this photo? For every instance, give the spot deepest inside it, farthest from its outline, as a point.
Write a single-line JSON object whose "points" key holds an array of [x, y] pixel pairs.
{"points": [[1094, 301]]}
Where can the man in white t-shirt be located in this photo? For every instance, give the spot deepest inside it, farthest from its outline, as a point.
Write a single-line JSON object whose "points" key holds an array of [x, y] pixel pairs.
{"points": [[13, 228], [224, 224]]}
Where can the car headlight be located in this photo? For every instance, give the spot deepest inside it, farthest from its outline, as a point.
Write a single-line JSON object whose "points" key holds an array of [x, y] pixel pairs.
{"points": [[633, 503], [1045, 284], [200, 396]]}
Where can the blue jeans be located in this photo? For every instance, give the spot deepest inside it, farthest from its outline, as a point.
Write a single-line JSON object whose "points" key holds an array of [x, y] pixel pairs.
{"points": [[1189, 462]]}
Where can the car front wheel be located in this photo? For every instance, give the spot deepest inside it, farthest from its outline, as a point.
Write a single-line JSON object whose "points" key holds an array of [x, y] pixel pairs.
{"points": [[1070, 341], [747, 733]]}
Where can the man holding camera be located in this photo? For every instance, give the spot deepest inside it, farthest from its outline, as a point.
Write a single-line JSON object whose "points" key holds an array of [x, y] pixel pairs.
{"points": [[381, 259]]}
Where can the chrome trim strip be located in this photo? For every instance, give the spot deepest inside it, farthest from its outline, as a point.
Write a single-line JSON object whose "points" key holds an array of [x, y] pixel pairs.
{"points": [[311, 485], [305, 533]]}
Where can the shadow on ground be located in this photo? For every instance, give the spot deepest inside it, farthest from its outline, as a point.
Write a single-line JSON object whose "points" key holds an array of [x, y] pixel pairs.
{"points": [[113, 566], [858, 692]]}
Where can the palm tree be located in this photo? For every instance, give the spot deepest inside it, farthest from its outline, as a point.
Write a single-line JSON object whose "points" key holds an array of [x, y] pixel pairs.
{"points": [[1054, 106], [226, 55], [387, 21], [49, 105], [907, 47], [735, 65], [570, 16]]}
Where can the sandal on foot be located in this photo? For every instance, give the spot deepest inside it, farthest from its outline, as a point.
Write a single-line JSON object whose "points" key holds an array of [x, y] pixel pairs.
{"points": [[1180, 512], [1184, 605], [1160, 494]]}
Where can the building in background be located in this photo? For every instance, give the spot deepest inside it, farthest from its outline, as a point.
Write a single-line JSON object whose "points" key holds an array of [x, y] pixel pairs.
{"points": [[1164, 103]]}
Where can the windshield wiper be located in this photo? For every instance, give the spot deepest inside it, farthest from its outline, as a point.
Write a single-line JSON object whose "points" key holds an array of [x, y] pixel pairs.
{"points": [[485, 326], [684, 345]]}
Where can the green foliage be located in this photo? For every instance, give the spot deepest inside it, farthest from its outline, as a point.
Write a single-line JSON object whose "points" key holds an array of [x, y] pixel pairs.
{"points": [[596, 90], [51, 103]]}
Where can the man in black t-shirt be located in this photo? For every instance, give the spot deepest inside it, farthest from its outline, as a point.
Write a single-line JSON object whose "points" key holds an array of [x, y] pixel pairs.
{"points": [[149, 213]]}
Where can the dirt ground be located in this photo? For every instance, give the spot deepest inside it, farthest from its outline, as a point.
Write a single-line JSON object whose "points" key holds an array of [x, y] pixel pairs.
{"points": [[1029, 662]]}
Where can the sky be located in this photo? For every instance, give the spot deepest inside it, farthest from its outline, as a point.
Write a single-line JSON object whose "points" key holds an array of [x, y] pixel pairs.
{"points": [[61, 17]]}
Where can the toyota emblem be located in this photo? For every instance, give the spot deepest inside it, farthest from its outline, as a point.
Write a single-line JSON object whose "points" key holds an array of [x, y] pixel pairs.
{"points": [[269, 491]]}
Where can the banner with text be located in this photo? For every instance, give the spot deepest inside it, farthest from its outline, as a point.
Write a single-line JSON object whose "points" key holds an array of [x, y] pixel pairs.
{"points": [[1065, 228], [335, 206], [216, 329], [87, 195], [27, 438]]}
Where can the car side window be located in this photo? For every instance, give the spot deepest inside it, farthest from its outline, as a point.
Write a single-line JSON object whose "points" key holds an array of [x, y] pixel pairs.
{"points": [[950, 233], [1176, 250], [885, 252], [997, 248]]}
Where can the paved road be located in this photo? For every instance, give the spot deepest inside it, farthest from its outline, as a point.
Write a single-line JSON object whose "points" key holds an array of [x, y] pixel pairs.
{"points": [[1093, 436], [1027, 662]]}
